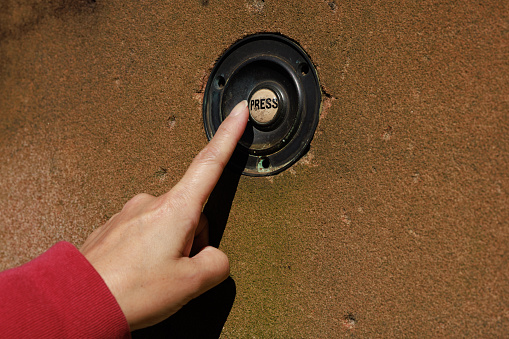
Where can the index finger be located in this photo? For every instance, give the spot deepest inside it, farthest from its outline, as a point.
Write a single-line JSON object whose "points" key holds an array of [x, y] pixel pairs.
{"points": [[206, 168]]}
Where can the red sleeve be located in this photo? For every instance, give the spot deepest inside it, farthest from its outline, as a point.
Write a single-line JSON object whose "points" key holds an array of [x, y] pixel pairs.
{"points": [[59, 294]]}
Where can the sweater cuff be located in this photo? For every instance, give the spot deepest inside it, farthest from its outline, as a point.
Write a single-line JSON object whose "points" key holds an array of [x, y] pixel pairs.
{"points": [[59, 294]]}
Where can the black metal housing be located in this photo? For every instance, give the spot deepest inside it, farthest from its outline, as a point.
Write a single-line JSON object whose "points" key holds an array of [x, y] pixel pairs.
{"points": [[277, 63]]}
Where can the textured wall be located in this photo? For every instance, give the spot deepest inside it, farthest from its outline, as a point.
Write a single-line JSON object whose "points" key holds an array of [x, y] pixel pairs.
{"points": [[395, 223]]}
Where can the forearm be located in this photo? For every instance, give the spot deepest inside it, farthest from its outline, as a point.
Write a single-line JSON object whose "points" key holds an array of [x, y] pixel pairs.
{"points": [[58, 294]]}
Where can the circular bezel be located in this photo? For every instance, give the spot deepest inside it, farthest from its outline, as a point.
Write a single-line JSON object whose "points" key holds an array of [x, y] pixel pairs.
{"points": [[277, 63]]}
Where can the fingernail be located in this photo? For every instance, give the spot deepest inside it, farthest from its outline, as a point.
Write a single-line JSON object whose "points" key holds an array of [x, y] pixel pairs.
{"points": [[239, 108]]}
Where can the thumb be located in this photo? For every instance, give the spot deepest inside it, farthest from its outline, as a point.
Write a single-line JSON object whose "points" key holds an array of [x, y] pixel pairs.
{"points": [[211, 266]]}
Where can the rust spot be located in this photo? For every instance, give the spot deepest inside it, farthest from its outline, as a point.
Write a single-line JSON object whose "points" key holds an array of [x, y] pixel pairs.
{"points": [[387, 135], [349, 321]]}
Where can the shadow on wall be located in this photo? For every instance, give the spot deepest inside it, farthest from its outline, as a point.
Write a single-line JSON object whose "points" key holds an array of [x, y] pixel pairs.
{"points": [[205, 316]]}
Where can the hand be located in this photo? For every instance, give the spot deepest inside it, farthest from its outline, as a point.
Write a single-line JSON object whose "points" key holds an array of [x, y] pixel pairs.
{"points": [[153, 255]]}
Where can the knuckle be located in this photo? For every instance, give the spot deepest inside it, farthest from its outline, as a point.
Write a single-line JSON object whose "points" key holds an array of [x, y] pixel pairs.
{"points": [[174, 200], [223, 265], [158, 209], [177, 202], [226, 130], [216, 271], [137, 200], [142, 197], [210, 155]]}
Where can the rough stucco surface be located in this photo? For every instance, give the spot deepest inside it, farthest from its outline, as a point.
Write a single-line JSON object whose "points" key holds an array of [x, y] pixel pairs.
{"points": [[394, 224]]}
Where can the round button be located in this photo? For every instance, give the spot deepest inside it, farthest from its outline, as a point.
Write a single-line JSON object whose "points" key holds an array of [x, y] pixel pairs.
{"points": [[263, 106]]}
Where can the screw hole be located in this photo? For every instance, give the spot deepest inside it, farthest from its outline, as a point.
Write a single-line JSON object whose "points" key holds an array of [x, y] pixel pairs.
{"points": [[265, 162], [304, 69], [221, 82]]}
